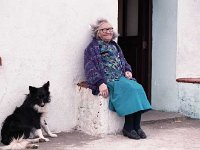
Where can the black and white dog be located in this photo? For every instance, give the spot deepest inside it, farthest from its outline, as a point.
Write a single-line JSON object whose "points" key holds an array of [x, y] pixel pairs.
{"points": [[27, 119]]}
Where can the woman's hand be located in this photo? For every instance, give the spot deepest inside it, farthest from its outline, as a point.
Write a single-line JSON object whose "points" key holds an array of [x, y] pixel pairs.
{"points": [[103, 90], [128, 75]]}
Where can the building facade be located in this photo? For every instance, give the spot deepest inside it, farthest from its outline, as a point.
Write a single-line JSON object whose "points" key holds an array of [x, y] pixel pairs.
{"points": [[44, 41]]}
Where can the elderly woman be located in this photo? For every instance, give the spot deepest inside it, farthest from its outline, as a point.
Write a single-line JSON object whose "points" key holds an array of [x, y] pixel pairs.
{"points": [[108, 74]]}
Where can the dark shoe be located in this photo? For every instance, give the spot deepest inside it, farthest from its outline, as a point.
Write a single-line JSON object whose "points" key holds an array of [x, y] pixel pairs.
{"points": [[141, 133], [132, 134]]}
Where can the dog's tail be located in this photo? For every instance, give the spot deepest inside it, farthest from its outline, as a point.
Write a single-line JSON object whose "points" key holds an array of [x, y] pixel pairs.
{"points": [[15, 144]]}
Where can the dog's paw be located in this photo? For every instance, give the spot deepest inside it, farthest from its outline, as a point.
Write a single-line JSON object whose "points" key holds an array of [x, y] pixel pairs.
{"points": [[34, 146], [53, 135], [44, 140], [41, 140]]}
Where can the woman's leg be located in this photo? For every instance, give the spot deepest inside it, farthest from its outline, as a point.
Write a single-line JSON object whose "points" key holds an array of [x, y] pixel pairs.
{"points": [[128, 125], [128, 129], [136, 124], [136, 120]]}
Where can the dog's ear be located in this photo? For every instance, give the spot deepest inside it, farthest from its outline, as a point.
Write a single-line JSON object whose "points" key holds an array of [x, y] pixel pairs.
{"points": [[32, 89], [46, 85]]}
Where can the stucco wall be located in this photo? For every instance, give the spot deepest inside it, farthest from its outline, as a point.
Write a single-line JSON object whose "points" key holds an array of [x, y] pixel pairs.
{"points": [[188, 56], [164, 47], [189, 99], [44, 41], [188, 39]]}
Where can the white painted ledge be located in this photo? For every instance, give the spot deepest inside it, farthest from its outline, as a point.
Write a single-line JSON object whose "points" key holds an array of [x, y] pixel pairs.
{"points": [[94, 116]]}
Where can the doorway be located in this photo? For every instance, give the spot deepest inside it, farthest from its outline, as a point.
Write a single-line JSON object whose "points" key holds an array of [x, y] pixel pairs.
{"points": [[135, 39]]}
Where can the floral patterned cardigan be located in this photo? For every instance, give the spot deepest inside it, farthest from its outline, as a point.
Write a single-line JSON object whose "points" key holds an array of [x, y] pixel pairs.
{"points": [[92, 60]]}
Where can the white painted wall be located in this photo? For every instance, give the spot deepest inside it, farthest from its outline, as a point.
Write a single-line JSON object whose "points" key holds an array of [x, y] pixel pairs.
{"points": [[188, 56], [45, 40], [175, 55], [189, 99], [164, 47], [188, 39]]}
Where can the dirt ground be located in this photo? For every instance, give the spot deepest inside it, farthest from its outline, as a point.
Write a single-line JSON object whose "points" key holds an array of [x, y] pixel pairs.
{"points": [[168, 135]]}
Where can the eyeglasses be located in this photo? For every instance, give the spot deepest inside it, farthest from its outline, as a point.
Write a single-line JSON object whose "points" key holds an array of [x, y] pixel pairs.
{"points": [[105, 30]]}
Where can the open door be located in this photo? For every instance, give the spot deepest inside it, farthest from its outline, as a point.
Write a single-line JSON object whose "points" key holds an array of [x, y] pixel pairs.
{"points": [[135, 29]]}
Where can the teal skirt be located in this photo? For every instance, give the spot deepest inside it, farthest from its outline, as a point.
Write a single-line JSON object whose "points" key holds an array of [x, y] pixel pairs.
{"points": [[127, 97]]}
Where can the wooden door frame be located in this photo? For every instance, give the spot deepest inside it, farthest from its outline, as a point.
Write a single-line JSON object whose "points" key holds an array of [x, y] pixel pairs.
{"points": [[150, 48]]}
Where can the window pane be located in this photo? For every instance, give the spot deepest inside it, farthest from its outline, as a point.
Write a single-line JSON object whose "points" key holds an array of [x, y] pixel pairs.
{"points": [[132, 17]]}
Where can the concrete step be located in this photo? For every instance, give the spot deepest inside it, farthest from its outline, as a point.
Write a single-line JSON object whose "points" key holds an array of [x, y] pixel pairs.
{"points": [[154, 116]]}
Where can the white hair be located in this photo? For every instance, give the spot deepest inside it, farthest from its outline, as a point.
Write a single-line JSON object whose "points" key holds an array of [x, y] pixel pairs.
{"points": [[95, 27]]}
